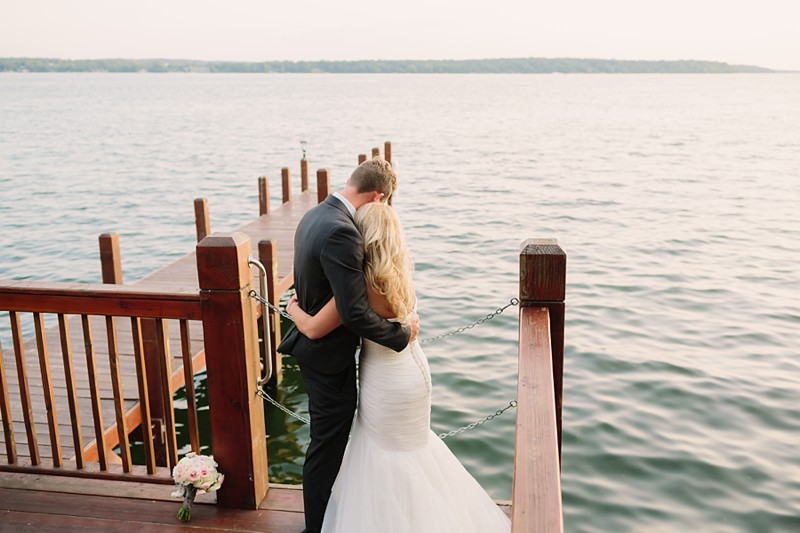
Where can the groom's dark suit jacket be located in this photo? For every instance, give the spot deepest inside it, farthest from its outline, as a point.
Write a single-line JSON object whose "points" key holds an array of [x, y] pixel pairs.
{"points": [[329, 261]]}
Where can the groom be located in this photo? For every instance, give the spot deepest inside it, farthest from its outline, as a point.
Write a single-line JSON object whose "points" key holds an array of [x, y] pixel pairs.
{"points": [[329, 262]]}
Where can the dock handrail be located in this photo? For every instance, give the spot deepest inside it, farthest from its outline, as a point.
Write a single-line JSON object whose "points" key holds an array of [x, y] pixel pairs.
{"points": [[536, 496]]}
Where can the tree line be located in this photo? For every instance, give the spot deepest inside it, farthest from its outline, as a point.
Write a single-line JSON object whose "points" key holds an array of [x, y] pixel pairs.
{"points": [[443, 66]]}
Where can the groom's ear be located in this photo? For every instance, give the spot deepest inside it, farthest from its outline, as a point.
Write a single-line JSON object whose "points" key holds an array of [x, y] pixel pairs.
{"points": [[378, 197]]}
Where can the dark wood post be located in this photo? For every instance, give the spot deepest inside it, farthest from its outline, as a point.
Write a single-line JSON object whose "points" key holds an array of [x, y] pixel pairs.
{"points": [[362, 158], [154, 357], [542, 283], [268, 255], [110, 261], [323, 185], [376, 152], [263, 195], [303, 175], [387, 151], [201, 220], [286, 181], [238, 434]]}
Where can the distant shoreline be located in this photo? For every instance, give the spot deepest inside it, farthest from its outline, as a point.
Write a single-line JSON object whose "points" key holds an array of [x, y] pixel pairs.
{"points": [[438, 66]]}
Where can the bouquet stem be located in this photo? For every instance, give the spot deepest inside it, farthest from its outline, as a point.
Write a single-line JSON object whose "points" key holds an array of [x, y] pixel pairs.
{"points": [[185, 512]]}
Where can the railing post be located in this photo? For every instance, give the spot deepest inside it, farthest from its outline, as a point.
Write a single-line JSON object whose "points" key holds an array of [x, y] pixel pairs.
{"points": [[268, 255], [304, 174], [323, 185], [362, 158], [110, 261], [202, 222], [542, 283], [387, 151], [287, 184], [376, 152], [238, 434], [263, 195]]}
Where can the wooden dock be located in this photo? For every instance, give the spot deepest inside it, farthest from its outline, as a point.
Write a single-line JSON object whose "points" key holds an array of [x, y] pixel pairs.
{"points": [[106, 360]]}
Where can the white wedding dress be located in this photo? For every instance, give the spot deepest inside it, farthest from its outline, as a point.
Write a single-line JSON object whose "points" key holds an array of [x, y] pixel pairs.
{"points": [[398, 476]]}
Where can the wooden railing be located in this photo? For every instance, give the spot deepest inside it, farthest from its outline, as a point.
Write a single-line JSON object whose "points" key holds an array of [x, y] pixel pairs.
{"points": [[94, 310], [536, 499], [230, 354]]}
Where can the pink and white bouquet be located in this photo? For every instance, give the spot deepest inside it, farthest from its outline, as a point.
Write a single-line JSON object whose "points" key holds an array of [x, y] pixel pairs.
{"points": [[194, 474]]}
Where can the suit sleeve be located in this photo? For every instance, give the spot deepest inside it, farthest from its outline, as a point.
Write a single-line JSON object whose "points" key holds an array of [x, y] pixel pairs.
{"points": [[342, 260]]}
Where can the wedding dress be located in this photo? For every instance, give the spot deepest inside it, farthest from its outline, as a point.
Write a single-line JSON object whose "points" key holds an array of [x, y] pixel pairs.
{"points": [[398, 476]]}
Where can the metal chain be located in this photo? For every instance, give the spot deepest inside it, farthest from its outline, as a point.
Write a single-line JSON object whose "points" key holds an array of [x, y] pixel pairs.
{"points": [[512, 403], [253, 294], [499, 310], [266, 397], [462, 329]]}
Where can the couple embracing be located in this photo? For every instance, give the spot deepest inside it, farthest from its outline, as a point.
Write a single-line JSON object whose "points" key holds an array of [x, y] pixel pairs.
{"points": [[387, 472]]}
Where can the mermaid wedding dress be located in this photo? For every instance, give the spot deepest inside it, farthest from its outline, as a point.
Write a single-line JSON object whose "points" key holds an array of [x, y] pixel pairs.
{"points": [[398, 476]]}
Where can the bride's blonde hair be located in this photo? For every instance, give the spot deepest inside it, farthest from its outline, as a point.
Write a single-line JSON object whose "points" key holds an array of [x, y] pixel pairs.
{"points": [[389, 266]]}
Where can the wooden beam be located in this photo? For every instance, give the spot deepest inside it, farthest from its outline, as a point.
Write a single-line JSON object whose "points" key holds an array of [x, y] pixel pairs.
{"points": [[110, 261], [537, 506], [323, 185], [263, 196], [238, 433], [202, 221], [543, 274]]}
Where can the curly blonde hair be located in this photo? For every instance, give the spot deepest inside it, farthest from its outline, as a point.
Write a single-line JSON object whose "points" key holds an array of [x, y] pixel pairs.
{"points": [[388, 262]]}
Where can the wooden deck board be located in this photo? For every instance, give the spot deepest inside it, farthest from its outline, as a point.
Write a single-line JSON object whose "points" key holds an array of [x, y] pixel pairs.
{"points": [[31, 502], [37, 510]]}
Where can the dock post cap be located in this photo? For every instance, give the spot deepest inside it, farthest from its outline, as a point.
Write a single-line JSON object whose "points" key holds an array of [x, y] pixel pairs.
{"points": [[222, 261], [542, 272]]}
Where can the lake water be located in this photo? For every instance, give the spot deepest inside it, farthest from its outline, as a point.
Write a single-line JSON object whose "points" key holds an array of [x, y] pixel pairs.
{"points": [[675, 197]]}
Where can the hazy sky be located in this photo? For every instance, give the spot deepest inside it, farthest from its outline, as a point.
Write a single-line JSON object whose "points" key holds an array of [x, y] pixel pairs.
{"points": [[763, 32]]}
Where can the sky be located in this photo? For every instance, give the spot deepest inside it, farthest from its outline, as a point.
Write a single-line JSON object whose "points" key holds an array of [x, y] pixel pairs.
{"points": [[763, 33]]}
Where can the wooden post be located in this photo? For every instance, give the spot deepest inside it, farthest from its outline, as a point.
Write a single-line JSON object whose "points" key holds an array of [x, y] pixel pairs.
{"points": [[263, 195], [542, 283], [238, 434], [152, 348], [110, 261], [303, 174], [323, 185], [387, 151], [376, 152], [362, 158], [287, 184], [268, 255], [201, 220]]}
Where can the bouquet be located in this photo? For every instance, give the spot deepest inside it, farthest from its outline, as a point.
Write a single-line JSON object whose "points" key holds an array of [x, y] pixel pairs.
{"points": [[192, 475]]}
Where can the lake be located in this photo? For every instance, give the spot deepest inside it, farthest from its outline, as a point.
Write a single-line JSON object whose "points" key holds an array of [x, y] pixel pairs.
{"points": [[674, 196]]}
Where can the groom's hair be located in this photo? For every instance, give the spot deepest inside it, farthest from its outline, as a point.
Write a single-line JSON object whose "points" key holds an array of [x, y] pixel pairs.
{"points": [[374, 175]]}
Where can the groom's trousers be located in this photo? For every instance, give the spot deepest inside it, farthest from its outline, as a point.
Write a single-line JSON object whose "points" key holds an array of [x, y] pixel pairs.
{"points": [[331, 404]]}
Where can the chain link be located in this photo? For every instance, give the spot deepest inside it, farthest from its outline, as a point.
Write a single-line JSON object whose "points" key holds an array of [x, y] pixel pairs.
{"points": [[253, 294], [462, 329], [266, 397], [512, 403], [499, 310]]}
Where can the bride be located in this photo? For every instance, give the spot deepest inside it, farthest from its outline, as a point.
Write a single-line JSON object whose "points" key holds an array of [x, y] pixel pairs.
{"points": [[397, 475]]}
